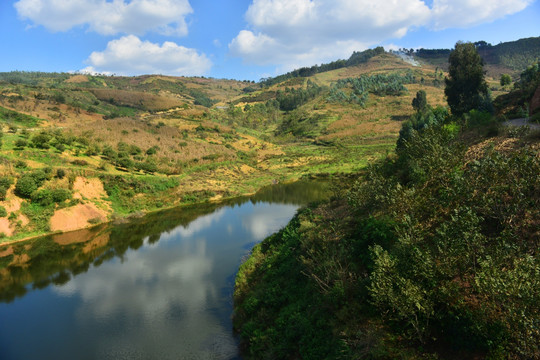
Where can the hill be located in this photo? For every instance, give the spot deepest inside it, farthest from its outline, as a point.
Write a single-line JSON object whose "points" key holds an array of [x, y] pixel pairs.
{"points": [[100, 148], [432, 253], [509, 57]]}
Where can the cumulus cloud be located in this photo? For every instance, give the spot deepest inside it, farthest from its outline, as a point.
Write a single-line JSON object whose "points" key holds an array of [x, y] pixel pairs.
{"points": [[131, 56], [464, 13], [166, 17], [303, 32], [297, 33]]}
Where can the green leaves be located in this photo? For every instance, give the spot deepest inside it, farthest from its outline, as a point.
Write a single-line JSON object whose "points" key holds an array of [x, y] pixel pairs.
{"points": [[465, 86]]}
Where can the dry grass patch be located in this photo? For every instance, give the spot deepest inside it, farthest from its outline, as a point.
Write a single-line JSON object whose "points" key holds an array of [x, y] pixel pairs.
{"points": [[139, 99], [77, 79]]}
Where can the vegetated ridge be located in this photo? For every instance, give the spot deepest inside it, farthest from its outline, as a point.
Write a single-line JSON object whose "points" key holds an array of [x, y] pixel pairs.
{"points": [[432, 253]]}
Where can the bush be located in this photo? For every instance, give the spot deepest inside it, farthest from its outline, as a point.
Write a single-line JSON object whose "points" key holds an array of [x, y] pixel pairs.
{"points": [[125, 162], [152, 150], [60, 195], [20, 143], [28, 183], [60, 173], [92, 150], [109, 152], [5, 182], [79, 162], [42, 197], [25, 187], [3, 192], [60, 147], [3, 212], [41, 140]]}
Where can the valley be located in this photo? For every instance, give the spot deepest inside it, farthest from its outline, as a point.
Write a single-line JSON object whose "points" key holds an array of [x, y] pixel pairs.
{"points": [[154, 142]]}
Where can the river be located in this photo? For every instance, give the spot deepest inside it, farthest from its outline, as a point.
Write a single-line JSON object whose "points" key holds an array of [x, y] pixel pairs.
{"points": [[159, 287]]}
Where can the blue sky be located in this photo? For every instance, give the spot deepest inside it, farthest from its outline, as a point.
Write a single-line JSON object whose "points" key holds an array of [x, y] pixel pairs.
{"points": [[240, 39]]}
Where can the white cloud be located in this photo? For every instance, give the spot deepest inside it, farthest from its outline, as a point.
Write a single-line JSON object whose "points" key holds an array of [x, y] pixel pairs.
{"points": [[166, 17], [131, 56], [302, 32], [465, 13], [266, 219], [294, 33]]}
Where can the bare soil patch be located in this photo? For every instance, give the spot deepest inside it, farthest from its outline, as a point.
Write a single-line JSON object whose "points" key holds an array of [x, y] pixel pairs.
{"points": [[89, 188], [4, 227], [76, 217], [12, 202]]}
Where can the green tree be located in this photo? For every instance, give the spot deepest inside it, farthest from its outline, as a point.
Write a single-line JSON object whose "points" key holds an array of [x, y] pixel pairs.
{"points": [[505, 79], [419, 103], [466, 88]]}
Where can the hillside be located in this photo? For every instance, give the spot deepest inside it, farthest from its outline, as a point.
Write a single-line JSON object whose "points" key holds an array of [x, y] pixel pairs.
{"points": [[509, 57], [431, 254], [99, 148]]}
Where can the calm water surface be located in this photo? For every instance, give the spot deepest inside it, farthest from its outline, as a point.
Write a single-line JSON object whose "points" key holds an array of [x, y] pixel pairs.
{"points": [[156, 288]]}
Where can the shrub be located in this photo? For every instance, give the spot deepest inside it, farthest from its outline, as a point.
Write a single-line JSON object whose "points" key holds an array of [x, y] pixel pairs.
{"points": [[25, 187], [109, 152], [3, 192], [42, 197], [20, 143], [60, 173], [3, 212], [41, 140], [60, 195], [5, 182], [79, 162], [92, 150], [60, 147], [152, 150], [134, 150], [125, 162]]}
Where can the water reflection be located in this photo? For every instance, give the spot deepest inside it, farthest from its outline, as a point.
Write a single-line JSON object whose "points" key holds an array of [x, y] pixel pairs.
{"points": [[159, 287]]}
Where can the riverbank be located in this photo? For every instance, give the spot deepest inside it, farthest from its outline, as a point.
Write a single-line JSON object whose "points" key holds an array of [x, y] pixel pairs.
{"points": [[115, 218], [170, 270]]}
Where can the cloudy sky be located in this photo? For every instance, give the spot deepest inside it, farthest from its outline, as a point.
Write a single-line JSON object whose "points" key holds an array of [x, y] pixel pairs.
{"points": [[240, 39]]}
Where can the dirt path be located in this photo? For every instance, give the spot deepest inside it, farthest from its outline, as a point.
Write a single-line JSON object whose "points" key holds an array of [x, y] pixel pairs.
{"points": [[521, 122]]}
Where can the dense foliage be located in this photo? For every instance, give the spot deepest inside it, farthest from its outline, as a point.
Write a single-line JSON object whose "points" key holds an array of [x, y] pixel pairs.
{"points": [[292, 98], [356, 90], [466, 88], [515, 104], [436, 248]]}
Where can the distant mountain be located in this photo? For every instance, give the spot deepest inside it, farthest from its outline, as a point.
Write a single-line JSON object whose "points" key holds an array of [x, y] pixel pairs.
{"points": [[515, 55]]}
